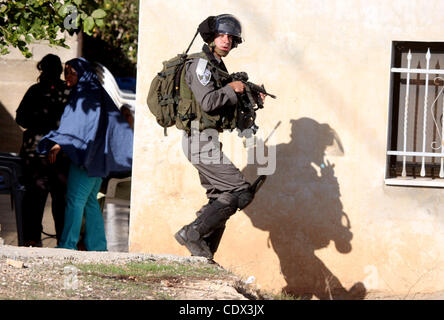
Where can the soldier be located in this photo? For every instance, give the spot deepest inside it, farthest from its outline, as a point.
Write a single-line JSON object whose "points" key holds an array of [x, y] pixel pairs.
{"points": [[216, 100]]}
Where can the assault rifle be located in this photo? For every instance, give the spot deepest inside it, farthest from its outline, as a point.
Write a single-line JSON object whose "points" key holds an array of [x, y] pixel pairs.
{"points": [[251, 101]]}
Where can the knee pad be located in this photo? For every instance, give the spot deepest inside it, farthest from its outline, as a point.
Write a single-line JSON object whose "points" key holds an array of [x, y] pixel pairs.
{"points": [[205, 206], [247, 195], [215, 215], [226, 204]]}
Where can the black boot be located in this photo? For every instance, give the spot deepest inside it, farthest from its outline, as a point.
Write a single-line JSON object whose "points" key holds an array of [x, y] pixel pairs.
{"points": [[214, 238], [213, 216], [190, 237]]}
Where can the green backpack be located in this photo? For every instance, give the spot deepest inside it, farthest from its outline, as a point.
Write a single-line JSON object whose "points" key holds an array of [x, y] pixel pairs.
{"points": [[164, 94], [172, 102]]}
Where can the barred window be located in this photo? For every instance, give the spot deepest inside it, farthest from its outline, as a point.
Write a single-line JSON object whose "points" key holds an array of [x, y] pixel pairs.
{"points": [[415, 134]]}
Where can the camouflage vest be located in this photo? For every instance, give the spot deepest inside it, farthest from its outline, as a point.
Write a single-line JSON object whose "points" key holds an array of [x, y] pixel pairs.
{"points": [[189, 110]]}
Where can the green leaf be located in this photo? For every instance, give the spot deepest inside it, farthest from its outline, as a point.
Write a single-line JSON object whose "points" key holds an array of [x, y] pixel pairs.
{"points": [[108, 4], [28, 38], [100, 23], [78, 2], [88, 24], [77, 22], [98, 14], [37, 23], [27, 54], [63, 11]]}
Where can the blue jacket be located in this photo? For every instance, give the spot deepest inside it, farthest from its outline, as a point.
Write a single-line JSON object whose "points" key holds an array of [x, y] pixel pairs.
{"points": [[92, 132]]}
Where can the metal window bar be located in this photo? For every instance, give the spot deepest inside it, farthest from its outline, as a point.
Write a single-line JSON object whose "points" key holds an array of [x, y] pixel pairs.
{"points": [[426, 107]]}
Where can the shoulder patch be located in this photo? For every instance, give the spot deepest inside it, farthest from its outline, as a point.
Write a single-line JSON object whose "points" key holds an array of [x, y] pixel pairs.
{"points": [[203, 74]]}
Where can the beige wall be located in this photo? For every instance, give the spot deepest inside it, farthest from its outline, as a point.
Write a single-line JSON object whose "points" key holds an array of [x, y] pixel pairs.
{"points": [[328, 62], [17, 74]]}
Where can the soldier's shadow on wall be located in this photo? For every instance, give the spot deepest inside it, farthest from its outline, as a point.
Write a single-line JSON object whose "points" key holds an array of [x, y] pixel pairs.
{"points": [[299, 205]]}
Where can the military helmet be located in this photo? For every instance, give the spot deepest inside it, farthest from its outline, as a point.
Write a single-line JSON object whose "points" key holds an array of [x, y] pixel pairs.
{"points": [[228, 24], [222, 24]]}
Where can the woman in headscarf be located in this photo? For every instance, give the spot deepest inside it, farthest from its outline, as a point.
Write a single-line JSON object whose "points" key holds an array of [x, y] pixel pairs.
{"points": [[99, 142]]}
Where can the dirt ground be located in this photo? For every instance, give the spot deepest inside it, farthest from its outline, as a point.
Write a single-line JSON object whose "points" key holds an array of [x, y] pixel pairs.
{"points": [[49, 273], [59, 274]]}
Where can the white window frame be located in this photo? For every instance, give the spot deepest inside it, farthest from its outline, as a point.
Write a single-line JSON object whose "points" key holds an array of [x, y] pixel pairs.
{"points": [[394, 153]]}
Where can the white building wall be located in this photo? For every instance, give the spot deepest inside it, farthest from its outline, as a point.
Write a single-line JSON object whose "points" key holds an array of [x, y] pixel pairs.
{"points": [[329, 64]]}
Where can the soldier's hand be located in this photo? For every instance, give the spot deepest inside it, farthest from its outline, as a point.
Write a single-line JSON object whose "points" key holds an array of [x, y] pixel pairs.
{"points": [[262, 95], [238, 86]]}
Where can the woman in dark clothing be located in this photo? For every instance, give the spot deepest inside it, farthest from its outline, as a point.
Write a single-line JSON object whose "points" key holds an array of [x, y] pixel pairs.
{"points": [[39, 112], [99, 142]]}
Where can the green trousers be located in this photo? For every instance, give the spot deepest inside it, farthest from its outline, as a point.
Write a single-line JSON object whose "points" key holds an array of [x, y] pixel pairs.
{"points": [[81, 200]]}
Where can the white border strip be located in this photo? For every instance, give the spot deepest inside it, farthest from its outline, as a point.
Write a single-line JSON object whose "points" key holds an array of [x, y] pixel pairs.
{"points": [[418, 182], [415, 154], [406, 70]]}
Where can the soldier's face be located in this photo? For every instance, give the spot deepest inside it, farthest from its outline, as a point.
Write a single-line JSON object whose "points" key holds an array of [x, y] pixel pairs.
{"points": [[224, 42]]}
